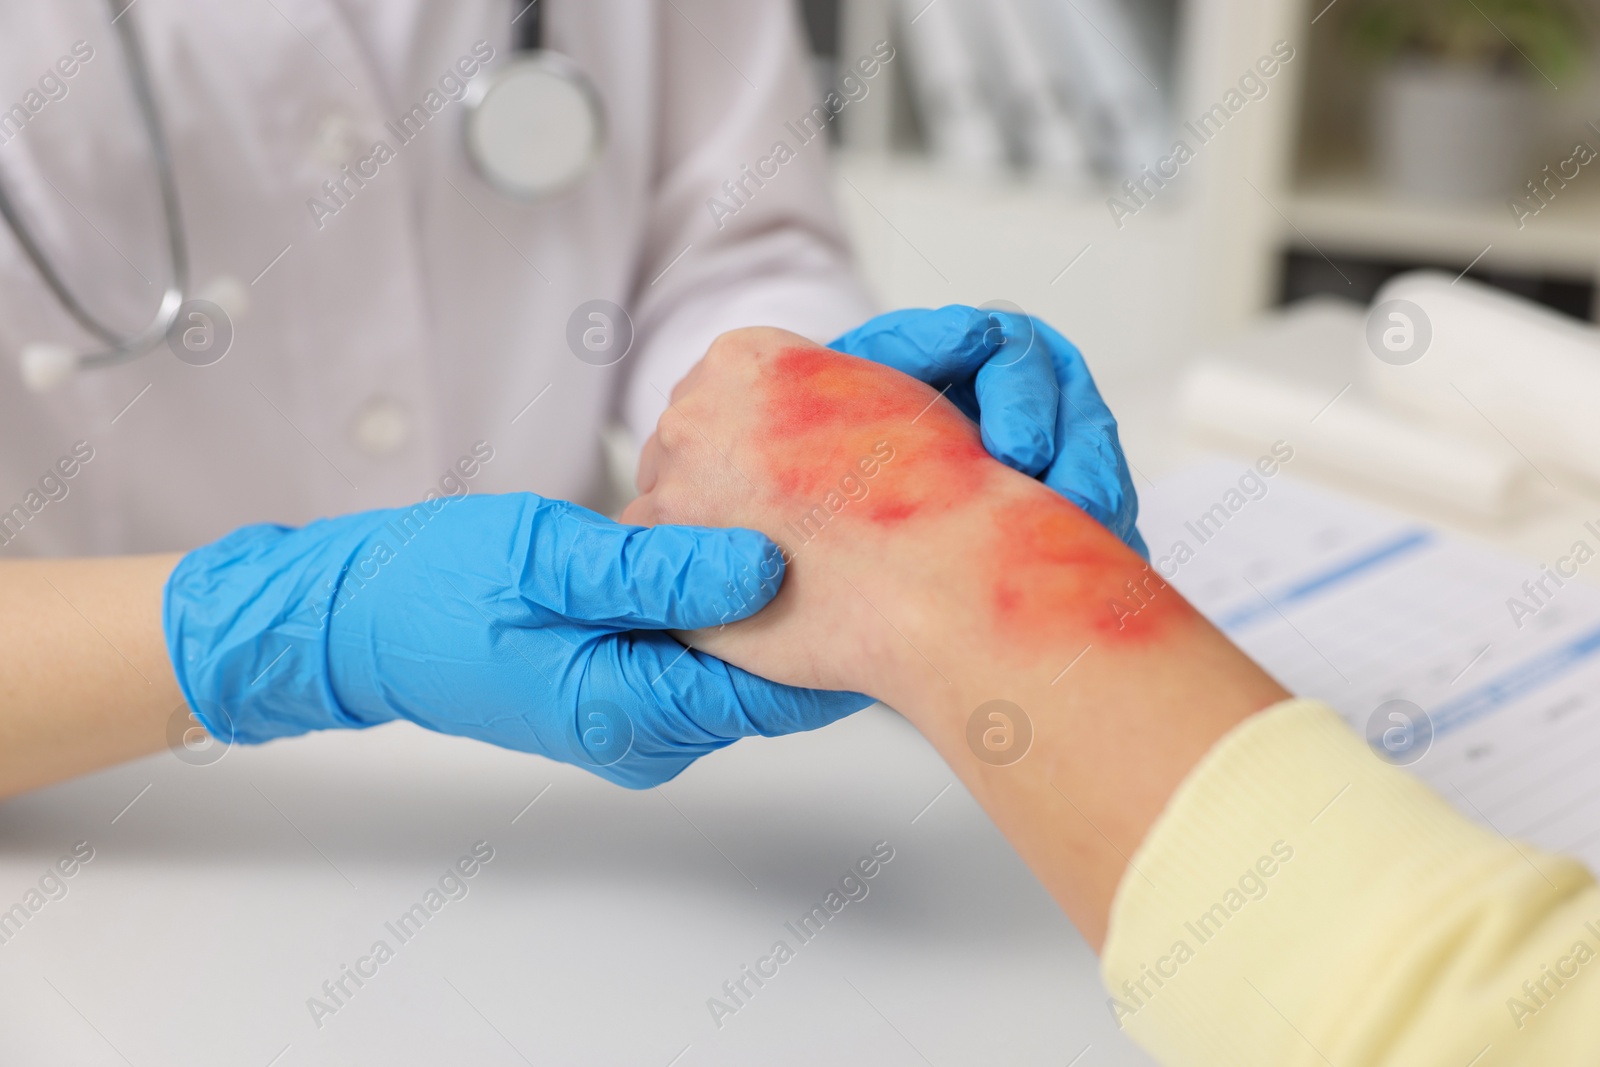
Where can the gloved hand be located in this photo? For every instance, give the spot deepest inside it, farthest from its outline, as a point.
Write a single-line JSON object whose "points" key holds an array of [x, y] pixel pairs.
{"points": [[1029, 391], [528, 623]]}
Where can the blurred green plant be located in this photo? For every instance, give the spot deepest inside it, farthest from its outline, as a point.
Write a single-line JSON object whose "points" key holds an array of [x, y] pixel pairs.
{"points": [[1497, 34]]}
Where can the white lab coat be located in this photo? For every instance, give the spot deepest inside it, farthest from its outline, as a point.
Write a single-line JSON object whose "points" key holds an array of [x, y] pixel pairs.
{"points": [[423, 316]]}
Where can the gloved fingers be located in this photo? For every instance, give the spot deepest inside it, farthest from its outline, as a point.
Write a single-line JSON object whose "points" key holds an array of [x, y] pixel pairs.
{"points": [[1078, 390], [612, 744], [645, 707], [933, 346], [710, 700], [773, 710], [1015, 396], [964, 395], [962, 345], [1090, 468], [590, 569], [614, 734], [1018, 396]]}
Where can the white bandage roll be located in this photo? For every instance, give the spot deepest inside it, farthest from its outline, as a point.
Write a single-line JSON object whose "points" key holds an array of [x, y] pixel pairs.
{"points": [[1495, 366], [1350, 437]]}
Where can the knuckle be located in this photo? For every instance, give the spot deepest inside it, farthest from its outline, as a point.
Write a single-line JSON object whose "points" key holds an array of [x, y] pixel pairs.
{"points": [[725, 347], [685, 386], [740, 347], [673, 430]]}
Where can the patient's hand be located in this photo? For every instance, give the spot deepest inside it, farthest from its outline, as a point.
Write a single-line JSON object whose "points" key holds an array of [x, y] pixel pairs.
{"points": [[905, 540], [930, 576]]}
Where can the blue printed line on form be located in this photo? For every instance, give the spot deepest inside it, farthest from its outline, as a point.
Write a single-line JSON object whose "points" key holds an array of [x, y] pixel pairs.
{"points": [[1517, 682], [1407, 542]]}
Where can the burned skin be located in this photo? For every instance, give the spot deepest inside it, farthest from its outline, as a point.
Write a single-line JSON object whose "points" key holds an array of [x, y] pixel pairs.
{"points": [[1052, 575]]}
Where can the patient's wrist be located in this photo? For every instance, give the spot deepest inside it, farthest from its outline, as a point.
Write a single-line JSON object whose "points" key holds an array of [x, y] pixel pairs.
{"points": [[1021, 581]]}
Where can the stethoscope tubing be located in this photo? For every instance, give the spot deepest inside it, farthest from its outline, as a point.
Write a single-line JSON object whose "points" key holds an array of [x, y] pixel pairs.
{"points": [[528, 34], [122, 347]]}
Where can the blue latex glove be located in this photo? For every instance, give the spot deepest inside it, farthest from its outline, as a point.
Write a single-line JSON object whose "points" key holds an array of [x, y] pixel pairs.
{"points": [[528, 623], [1028, 389]]}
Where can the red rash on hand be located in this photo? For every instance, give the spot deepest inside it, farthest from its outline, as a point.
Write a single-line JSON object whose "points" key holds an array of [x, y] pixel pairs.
{"points": [[1058, 576], [826, 411], [1054, 575]]}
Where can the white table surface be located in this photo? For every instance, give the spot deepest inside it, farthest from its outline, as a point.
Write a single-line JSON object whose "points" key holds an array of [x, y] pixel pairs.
{"points": [[219, 902]]}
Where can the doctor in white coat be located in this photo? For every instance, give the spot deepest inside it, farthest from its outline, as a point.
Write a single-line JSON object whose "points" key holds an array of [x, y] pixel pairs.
{"points": [[388, 327]]}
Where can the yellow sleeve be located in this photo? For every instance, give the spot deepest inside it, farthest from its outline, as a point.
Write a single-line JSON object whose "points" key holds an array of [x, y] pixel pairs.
{"points": [[1302, 902]]}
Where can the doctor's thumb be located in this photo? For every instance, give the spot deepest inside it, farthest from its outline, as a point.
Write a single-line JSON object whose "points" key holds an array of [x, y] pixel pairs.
{"points": [[660, 577]]}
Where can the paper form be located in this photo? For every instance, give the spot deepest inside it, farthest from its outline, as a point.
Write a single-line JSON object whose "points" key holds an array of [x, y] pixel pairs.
{"points": [[1357, 606]]}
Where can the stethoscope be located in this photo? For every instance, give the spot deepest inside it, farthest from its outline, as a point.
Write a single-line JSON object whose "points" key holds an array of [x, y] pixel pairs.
{"points": [[534, 128]]}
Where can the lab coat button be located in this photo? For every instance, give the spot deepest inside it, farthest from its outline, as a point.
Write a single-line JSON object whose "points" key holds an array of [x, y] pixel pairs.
{"points": [[382, 428], [336, 140]]}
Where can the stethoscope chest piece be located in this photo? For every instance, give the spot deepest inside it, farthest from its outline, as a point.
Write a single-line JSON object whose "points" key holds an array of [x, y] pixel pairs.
{"points": [[536, 128]]}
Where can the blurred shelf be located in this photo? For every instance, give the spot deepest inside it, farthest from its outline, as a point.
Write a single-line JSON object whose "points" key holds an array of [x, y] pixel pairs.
{"points": [[1353, 217], [927, 236], [921, 177]]}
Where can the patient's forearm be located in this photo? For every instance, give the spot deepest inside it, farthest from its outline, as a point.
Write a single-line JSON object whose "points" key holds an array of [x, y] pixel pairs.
{"points": [[84, 679], [1123, 686]]}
